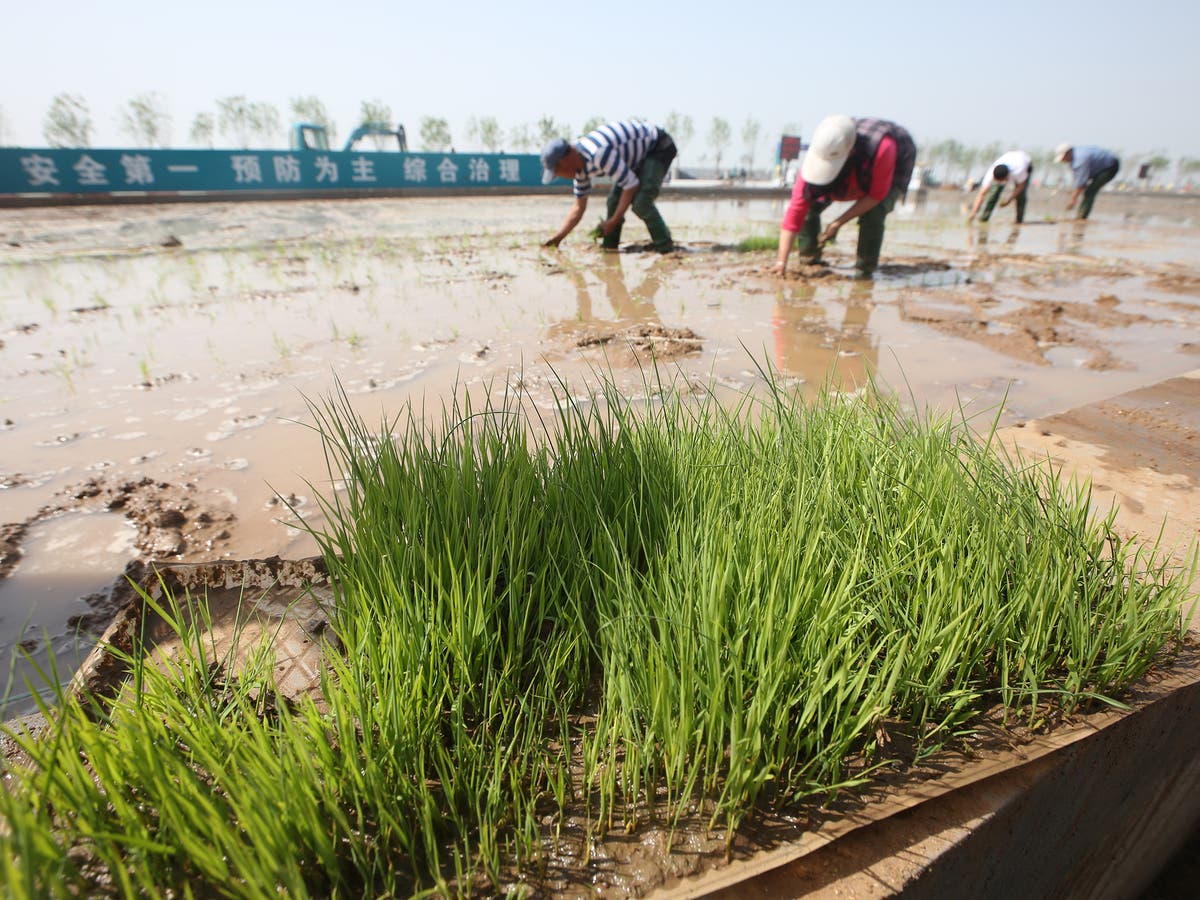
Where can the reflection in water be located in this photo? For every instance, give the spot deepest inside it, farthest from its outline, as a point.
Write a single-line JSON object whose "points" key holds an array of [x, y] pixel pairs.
{"points": [[42, 607], [978, 236], [807, 343], [629, 307], [1070, 239]]}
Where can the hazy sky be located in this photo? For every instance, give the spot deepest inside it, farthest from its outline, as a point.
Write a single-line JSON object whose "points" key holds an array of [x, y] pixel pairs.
{"points": [[1024, 73]]}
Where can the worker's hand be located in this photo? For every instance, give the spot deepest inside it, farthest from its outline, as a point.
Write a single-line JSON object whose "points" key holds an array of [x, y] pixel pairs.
{"points": [[553, 242], [970, 218], [780, 268], [1006, 202], [829, 235], [608, 225]]}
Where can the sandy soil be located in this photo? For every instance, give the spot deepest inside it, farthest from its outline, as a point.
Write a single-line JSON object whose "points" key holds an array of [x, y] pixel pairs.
{"points": [[159, 361]]}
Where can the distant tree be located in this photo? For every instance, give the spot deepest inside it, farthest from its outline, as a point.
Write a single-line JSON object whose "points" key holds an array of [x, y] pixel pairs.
{"points": [[1042, 159], [4, 129], [235, 119], [682, 131], [592, 124], [952, 154], [265, 123], [989, 153], [376, 112], [310, 109], [521, 138], [146, 121], [204, 126], [680, 127], [435, 135], [719, 134], [548, 129], [968, 158], [485, 132], [1187, 167], [68, 122], [750, 132]]}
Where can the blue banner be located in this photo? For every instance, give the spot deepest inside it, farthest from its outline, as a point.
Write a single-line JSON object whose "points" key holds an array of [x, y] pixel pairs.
{"points": [[88, 171]]}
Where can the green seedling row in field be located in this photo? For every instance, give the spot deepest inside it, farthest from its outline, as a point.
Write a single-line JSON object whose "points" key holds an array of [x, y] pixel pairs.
{"points": [[641, 609]]}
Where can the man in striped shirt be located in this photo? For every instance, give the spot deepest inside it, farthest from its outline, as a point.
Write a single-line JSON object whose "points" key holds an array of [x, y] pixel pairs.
{"points": [[636, 156]]}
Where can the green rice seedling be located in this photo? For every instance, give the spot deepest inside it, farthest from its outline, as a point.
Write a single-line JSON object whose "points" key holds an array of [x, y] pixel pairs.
{"points": [[641, 609], [757, 242]]}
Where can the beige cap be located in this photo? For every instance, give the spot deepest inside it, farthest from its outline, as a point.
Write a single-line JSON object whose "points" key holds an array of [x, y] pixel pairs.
{"points": [[831, 144]]}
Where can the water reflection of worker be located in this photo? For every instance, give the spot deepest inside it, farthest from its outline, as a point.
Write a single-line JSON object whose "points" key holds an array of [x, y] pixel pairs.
{"points": [[980, 238], [1092, 168], [869, 161], [809, 347], [1014, 167], [629, 307]]}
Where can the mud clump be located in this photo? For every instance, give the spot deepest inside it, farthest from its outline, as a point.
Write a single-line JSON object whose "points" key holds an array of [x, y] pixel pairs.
{"points": [[171, 522], [647, 340]]}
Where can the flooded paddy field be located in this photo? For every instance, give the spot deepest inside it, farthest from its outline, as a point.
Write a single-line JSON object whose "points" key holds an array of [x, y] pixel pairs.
{"points": [[157, 362]]}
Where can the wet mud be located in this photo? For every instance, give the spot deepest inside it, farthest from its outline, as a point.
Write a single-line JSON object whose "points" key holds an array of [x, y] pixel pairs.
{"points": [[159, 362]]}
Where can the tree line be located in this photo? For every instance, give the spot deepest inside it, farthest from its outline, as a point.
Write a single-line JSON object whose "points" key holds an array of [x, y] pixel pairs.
{"points": [[240, 122]]}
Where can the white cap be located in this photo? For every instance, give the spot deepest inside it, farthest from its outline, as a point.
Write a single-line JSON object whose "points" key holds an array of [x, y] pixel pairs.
{"points": [[1061, 151], [831, 144]]}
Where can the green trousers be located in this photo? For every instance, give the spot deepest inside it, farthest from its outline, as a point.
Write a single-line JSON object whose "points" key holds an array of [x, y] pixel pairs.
{"points": [[651, 176], [870, 232], [993, 195]]}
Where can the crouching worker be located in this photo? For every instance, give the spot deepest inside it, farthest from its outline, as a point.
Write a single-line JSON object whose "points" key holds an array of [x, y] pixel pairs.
{"points": [[869, 161], [1015, 167], [636, 156]]}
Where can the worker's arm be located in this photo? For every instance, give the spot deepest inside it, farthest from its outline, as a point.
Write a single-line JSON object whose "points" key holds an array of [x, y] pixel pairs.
{"points": [[619, 213], [1017, 191], [861, 205], [578, 208], [1075, 195], [793, 222], [786, 240], [978, 201]]}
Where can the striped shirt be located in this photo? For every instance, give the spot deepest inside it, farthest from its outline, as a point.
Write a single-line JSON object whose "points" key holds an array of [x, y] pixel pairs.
{"points": [[615, 149]]}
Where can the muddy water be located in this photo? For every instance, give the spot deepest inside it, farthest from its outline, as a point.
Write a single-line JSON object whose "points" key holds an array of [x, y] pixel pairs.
{"points": [[158, 361]]}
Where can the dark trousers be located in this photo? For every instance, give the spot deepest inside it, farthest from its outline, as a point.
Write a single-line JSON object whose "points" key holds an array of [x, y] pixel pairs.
{"points": [[650, 173], [1103, 177], [870, 231]]}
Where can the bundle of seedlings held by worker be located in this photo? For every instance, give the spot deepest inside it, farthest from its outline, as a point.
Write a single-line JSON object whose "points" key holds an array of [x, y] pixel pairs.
{"points": [[631, 612]]}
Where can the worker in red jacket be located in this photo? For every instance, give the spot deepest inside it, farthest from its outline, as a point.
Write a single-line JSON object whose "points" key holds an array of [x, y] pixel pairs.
{"points": [[869, 161]]}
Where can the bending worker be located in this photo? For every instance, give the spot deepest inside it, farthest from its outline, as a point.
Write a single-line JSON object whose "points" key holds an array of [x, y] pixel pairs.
{"points": [[868, 161], [1093, 168], [1016, 168], [636, 156]]}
